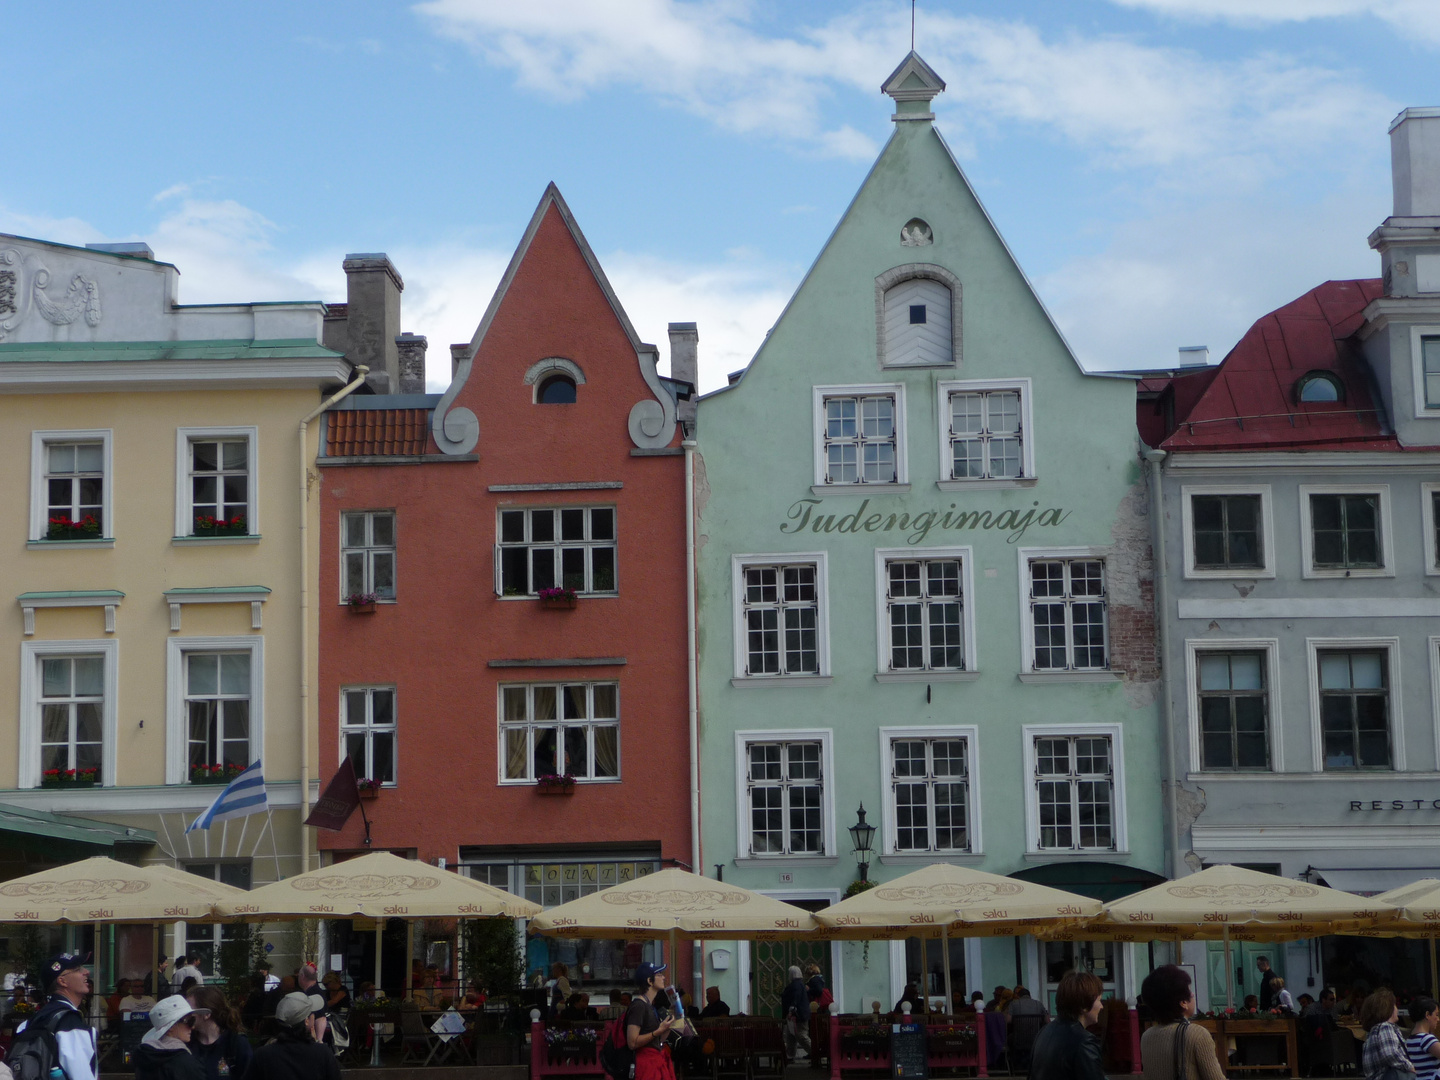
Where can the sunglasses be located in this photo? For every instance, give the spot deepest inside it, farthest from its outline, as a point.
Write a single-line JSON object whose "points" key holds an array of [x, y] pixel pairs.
{"points": [[188, 1021]]}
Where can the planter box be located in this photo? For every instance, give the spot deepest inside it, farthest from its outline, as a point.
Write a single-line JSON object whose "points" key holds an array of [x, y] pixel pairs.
{"points": [[555, 789], [368, 792], [69, 783], [221, 780], [362, 609], [559, 603]]}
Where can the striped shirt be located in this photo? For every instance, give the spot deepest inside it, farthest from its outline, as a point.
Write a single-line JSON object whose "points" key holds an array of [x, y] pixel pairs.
{"points": [[1417, 1048]]}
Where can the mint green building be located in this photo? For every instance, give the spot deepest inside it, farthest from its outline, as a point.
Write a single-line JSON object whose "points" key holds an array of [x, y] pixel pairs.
{"points": [[925, 586]]}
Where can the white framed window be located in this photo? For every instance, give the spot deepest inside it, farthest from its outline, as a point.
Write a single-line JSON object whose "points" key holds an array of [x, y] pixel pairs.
{"points": [[559, 729], [68, 692], [71, 478], [1228, 530], [1076, 797], [783, 799], [367, 554], [986, 433], [206, 939], [926, 621], [1354, 707], [860, 436], [1425, 364], [215, 705], [550, 547], [1064, 624], [368, 731], [781, 617], [216, 473], [1430, 522], [1233, 698], [917, 316], [1345, 530], [932, 800]]}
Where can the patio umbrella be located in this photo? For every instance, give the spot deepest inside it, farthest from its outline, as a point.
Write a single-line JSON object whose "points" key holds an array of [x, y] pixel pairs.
{"points": [[101, 890], [1417, 915], [1222, 903], [943, 899], [378, 886]]}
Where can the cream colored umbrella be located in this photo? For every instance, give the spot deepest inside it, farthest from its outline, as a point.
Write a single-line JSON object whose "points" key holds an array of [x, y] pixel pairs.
{"points": [[378, 886], [101, 890], [674, 902], [944, 900], [1417, 915]]}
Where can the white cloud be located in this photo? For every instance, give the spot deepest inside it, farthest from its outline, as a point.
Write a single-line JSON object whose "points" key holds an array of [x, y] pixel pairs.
{"points": [[1414, 18], [71, 230], [224, 254]]}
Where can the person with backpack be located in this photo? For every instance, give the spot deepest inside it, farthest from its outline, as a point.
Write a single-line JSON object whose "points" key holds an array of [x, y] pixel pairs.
{"points": [[58, 1034], [815, 989], [645, 1032], [164, 1053]]}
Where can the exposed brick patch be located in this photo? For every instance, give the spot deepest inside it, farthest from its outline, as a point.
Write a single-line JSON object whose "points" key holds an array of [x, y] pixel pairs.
{"points": [[1134, 646]]}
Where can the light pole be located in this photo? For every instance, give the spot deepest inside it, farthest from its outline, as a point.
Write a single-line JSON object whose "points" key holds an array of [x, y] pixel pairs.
{"points": [[862, 835]]}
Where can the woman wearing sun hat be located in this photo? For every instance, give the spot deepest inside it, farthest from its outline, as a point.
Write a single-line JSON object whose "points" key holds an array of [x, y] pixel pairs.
{"points": [[164, 1052]]}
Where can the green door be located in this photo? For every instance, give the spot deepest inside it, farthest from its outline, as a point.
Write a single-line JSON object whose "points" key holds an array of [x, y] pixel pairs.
{"points": [[1246, 975], [770, 963]]}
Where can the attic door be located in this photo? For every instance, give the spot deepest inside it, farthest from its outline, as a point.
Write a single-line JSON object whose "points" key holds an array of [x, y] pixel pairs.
{"points": [[917, 323]]}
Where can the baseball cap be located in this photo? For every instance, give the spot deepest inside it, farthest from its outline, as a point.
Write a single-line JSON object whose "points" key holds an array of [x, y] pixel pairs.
{"points": [[293, 1008], [170, 1011], [63, 962], [646, 971]]}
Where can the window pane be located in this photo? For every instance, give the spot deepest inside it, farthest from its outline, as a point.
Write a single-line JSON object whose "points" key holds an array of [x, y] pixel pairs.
{"points": [[542, 526], [515, 754], [1245, 671], [355, 708], [513, 703], [384, 573], [382, 706], [575, 701], [577, 751], [204, 673], [89, 458], [62, 458], [235, 455], [354, 530], [235, 673], [602, 524], [1367, 671], [572, 563], [544, 703], [1214, 671], [55, 678], [354, 572], [382, 530], [602, 569], [1334, 671], [55, 724], [572, 524], [607, 750], [604, 696], [514, 571], [542, 564], [512, 527], [204, 456]]}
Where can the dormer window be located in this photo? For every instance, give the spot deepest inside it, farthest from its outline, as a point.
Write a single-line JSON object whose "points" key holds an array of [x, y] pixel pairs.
{"points": [[556, 390], [918, 316], [1319, 386]]}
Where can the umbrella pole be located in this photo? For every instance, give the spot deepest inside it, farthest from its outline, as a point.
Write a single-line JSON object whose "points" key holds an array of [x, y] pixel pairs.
{"points": [[1434, 976], [945, 960], [674, 971], [409, 957], [379, 945], [1229, 972]]}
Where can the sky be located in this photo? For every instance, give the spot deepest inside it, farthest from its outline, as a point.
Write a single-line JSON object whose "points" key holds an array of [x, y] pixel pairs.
{"points": [[1165, 171]]}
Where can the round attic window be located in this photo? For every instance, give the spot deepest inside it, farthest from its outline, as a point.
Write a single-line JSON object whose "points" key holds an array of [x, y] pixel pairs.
{"points": [[916, 233], [1319, 386], [556, 390]]}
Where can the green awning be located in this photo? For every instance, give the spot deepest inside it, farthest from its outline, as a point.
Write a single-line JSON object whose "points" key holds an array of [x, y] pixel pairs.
{"points": [[35, 824], [1101, 881]]}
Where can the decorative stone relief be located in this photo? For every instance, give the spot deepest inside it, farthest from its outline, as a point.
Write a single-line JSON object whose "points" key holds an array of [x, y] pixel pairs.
{"points": [[652, 421], [83, 297], [23, 284], [456, 431], [12, 296], [916, 233]]}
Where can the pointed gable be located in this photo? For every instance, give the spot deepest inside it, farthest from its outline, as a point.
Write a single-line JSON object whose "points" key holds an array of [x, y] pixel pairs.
{"points": [[554, 313]]}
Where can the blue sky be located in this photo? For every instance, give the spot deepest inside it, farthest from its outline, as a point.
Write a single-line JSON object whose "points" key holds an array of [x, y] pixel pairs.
{"points": [[1166, 171]]}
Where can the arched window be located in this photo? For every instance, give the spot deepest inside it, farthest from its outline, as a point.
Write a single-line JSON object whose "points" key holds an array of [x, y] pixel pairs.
{"points": [[1319, 386], [917, 307], [556, 390]]}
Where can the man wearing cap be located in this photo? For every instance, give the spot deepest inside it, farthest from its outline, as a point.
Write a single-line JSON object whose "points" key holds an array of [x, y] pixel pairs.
{"points": [[645, 1032], [164, 1052], [68, 982], [294, 1055]]}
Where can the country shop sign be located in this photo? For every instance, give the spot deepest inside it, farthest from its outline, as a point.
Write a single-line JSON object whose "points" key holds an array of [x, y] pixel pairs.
{"points": [[810, 513]]}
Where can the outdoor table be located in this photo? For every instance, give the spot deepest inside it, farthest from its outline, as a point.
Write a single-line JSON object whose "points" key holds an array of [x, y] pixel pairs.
{"points": [[1270, 1027], [862, 1043], [374, 1020]]}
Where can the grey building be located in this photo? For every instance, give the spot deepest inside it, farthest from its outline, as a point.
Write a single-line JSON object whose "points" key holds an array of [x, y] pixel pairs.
{"points": [[1300, 597]]}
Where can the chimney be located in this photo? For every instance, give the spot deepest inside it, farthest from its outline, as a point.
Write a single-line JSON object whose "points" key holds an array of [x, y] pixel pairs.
{"points": [[1409, 240], [411, 350], [458, 353], [135, 250], [373, 287], [1194, 356], [685, 367]]}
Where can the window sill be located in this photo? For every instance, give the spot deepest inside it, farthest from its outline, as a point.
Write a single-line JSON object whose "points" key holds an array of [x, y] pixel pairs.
{"points": [[532, 598], [1334, 775], [578, 782], [970, 485], [1239, 573], [1327, 572], [1069, 677], [798, 862], [860, 489], [930, 858], [42, 545], [1079, 856], [187, 541], [926, 676], [380, 600], [752, 681]]}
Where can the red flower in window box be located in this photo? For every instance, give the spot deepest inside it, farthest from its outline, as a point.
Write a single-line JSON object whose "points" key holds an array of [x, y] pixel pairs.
{"points": [[368, 789], [207, 525], [362, 603], [53, 778], [61, 527], [558, 597], [214, 774], [553, 784]]}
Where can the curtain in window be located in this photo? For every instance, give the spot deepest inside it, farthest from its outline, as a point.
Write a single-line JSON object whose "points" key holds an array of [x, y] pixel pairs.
{"points": [[607, 751]]}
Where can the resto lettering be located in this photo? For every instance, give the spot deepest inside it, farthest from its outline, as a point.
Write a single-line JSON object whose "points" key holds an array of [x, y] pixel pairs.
{"points": [[1364, 806]]}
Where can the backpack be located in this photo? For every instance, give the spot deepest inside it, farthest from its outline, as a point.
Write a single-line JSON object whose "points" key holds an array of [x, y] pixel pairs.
{"points": [[825, 1000], [34, 1052], [616, 1057]]}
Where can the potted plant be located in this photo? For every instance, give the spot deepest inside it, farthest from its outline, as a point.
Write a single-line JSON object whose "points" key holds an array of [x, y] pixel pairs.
{"points": [[52, 778], [953, 1040], [555, 784], [559, 597], [208, 525], [361, 603], [368, 789], [214, 774], [61, 527]]}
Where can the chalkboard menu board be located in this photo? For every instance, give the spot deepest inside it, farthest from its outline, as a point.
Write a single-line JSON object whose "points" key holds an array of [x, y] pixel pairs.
{"points": [[908, 1059]]}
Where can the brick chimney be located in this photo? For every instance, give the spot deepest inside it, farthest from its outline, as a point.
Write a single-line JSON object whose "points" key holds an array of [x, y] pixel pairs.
{"points": [[367, 329], [685, 367], [411, 351]]}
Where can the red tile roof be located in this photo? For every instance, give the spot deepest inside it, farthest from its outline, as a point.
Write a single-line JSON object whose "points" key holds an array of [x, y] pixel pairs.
{"points": [[372, 432], [1248, 401]]}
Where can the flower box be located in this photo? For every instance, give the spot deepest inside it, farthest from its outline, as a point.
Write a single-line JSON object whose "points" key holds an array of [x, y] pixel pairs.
{"points": [[555, 785], [214, 774], [367, 789], [362, 603], [205, 525], [558, 599], [70, 778], [62, 528]]}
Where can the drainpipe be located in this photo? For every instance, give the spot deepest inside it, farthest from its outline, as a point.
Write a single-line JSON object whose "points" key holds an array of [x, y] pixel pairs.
{"points": [[698, 959], [359, 372], [1173, 862]]}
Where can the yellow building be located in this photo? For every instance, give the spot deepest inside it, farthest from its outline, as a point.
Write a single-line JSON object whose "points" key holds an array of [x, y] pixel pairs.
{"points": [[157, 555]]}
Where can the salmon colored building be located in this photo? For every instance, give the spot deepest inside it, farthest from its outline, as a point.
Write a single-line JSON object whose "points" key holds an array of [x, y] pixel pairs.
{"points": [[519, 687]]}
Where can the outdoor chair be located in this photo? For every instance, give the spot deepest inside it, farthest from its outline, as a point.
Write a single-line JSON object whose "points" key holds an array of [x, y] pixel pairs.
{"points": [[417, 1042], [1021, 1045], [728, 1061], [765, 1048]]}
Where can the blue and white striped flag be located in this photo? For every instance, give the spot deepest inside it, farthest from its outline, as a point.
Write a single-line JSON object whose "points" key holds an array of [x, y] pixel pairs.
{"points": [[243, 795]]}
